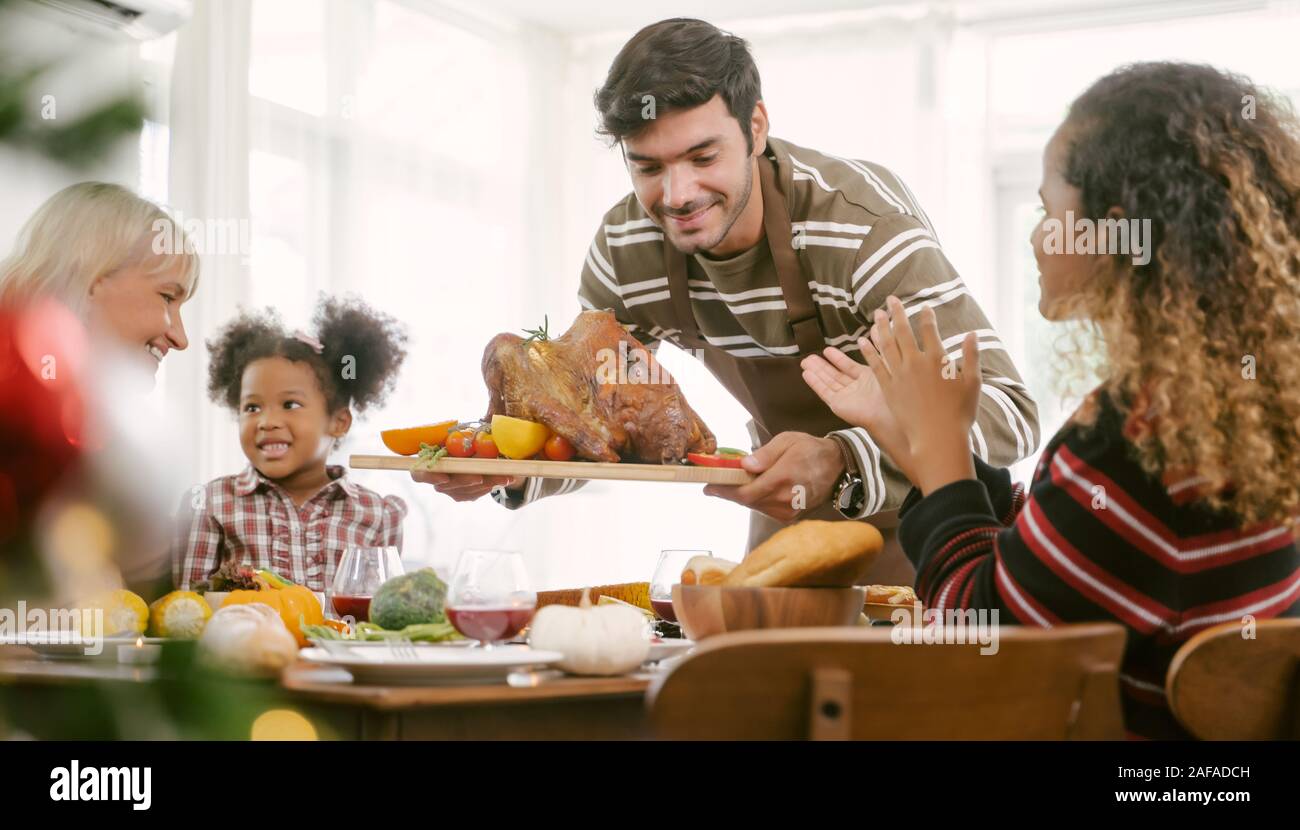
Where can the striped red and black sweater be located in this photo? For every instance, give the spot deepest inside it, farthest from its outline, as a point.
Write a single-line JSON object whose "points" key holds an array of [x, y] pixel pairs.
{"points": [[1097, 538]]}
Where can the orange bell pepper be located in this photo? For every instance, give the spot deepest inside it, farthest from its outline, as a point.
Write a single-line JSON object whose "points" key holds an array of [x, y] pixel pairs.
{"points": [[294, 603]]}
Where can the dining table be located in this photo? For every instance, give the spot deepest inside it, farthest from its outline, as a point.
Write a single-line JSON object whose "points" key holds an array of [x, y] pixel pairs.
{"points": [[100, 699]]}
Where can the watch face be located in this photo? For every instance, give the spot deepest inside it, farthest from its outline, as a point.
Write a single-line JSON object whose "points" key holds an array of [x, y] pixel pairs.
{"points": [[850, 494]]}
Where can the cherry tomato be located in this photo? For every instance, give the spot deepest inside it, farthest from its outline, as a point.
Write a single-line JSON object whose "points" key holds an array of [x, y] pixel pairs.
{"points": [[460, 444], [484, 446], [558, 448]]}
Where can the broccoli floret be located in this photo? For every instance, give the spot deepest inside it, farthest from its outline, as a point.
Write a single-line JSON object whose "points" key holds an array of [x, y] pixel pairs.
{"points": [[410, 599]]}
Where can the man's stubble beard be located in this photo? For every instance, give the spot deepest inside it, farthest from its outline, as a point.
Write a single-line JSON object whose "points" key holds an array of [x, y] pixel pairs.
{"points": [[738, 207]]}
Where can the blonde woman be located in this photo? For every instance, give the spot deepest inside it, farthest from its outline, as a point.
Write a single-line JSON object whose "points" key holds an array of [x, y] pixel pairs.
{"points": [[1168, 502], [113, 258], [117, 262]]}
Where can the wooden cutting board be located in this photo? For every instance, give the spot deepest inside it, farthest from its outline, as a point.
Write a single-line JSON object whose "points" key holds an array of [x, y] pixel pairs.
{"points": [[588, 470]]}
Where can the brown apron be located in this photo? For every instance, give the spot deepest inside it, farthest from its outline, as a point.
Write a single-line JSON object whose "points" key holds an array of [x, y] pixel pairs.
{"points": [[772, 389]]}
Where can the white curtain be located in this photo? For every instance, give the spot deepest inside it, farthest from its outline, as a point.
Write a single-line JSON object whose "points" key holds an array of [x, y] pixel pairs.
{"points": [[404, 153], [208, 182]]}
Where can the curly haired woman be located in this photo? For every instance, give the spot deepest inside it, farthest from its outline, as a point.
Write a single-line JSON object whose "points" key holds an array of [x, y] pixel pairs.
{"points": [[1168, 502]]}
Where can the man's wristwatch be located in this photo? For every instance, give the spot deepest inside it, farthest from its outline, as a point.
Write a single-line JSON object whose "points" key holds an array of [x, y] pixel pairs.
{"points": [[850, 492]]}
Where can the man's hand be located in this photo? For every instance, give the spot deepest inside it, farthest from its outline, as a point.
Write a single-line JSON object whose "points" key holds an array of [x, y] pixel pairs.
{"points": [[790, 460], [465, 487]]}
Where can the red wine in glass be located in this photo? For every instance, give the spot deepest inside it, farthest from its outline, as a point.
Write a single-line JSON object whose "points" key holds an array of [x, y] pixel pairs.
{"points": [[360, 572], [490, 624], [489, 598], [667, 573], [664, 608], [356, 607]]}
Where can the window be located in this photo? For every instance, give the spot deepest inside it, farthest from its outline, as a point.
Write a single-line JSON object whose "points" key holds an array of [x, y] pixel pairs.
{"points": [[1030, 89], [445, 168]]}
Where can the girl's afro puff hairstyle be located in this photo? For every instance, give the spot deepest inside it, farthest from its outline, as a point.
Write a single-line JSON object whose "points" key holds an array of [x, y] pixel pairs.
{"points": [[361, 352]]}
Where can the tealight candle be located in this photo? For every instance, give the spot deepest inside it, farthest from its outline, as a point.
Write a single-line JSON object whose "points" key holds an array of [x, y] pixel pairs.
{"points": [[138, 654]]}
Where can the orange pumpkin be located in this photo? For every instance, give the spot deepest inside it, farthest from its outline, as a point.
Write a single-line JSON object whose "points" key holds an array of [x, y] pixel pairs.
{"points": [[294, 603]]}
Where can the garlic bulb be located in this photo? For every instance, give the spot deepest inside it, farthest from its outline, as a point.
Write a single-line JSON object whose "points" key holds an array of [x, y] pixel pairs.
{"points": [[247, 639], [598, 640]]}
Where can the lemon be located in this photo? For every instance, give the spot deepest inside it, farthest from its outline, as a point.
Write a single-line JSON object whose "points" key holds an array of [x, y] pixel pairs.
{"points": [[517, 438], [607, 600]]}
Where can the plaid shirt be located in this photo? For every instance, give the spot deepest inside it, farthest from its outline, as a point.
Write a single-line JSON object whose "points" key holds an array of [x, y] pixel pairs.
{"points": [[251, 519]]}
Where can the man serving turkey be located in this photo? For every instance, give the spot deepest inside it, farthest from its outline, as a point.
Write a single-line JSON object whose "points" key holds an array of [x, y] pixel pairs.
{"points": [[756, 253]]}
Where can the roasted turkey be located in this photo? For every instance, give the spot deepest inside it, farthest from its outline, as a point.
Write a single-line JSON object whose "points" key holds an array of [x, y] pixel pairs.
{"points": [[609, 408]]}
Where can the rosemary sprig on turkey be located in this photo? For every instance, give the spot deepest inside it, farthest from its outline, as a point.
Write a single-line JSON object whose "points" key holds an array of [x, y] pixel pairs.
{"points": [[540, 334]]}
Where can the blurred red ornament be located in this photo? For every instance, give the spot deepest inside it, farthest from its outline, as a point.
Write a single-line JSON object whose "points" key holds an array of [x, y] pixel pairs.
{"points": [[42, 409]]}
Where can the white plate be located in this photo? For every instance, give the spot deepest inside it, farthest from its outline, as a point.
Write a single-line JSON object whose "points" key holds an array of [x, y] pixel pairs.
{"points": [[664, 649], [343, 647], [432, 666], [55, 646]]}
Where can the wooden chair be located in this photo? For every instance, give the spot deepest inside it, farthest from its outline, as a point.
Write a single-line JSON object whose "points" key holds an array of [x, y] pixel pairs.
{"points": [[1223, 686], [838, 683]]}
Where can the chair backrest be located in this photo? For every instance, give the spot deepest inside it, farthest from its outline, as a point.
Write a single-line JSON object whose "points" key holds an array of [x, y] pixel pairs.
{"points": [[856, 683], [1232, 682]]}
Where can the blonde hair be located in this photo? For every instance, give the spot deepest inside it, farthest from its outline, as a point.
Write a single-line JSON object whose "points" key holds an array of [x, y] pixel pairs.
{"points": [[87, 231]]}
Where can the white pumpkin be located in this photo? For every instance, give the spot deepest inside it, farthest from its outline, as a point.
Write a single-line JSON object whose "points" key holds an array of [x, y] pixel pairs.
{"points": [[248, 639], [601, 639]]}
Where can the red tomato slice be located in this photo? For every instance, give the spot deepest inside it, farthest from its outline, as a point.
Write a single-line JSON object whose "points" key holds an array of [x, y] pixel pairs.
{"points": [[713, 460]]}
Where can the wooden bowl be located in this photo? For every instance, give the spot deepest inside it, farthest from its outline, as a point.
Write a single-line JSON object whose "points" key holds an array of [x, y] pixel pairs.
{"points": [[705, 610]]}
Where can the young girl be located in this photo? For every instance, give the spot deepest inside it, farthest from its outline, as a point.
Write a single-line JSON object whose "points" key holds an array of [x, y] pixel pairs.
{"points": [[1168, 501], [294, 394]]}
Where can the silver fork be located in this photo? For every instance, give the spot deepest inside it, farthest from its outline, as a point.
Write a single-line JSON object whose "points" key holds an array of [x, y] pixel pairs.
{"points": [[404, 651]]}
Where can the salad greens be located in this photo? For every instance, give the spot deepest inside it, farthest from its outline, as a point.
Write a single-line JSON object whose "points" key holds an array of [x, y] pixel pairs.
{"points": [[367, 631]]}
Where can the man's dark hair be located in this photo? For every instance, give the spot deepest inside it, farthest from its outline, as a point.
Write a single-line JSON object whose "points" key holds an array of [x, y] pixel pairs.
{"points": [[682, 63]]}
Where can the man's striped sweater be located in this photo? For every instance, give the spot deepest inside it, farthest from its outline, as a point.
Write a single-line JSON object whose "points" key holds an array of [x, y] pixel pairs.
{"points": [[861, 236], [1097, 539]]}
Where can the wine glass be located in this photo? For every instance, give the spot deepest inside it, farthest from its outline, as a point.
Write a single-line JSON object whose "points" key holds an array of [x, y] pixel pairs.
{"points": [[360, 573], [668, 572], [491, 598]]}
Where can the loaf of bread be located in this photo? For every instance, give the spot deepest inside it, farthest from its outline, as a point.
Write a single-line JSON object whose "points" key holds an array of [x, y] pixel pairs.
{"points": [[706, 570], [810, 554], [890, 595]]}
